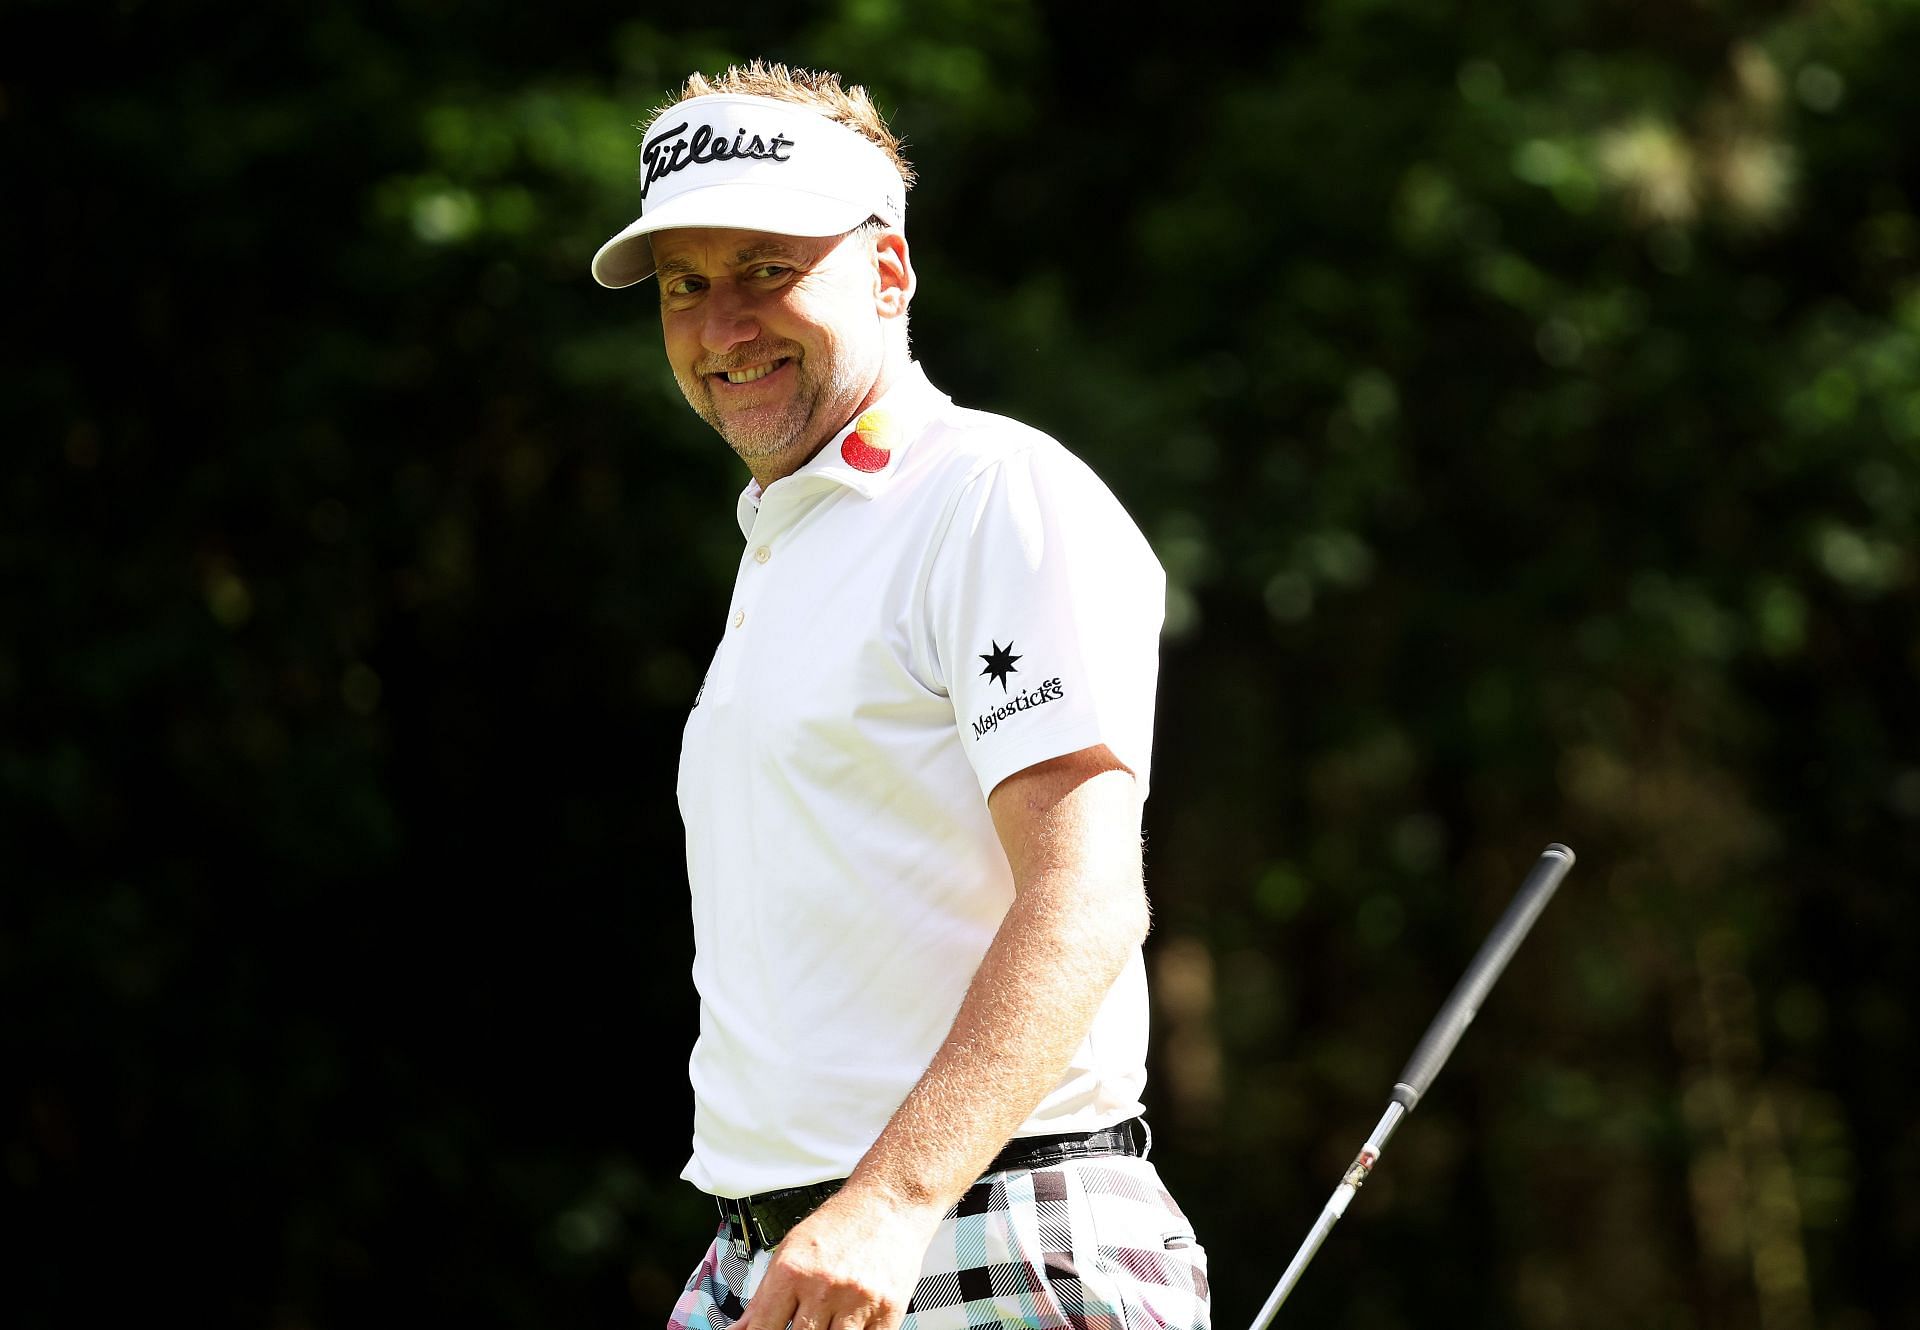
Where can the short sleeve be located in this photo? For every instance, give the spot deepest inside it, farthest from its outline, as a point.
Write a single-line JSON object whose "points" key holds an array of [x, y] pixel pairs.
{"points": [[1045, 604]]}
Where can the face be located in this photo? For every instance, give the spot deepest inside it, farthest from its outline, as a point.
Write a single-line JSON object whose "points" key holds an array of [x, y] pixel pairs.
{"points": [[779, 341]]}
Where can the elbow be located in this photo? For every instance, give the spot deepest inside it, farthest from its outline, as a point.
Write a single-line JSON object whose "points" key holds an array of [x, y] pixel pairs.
{"points": [[1129, 919]]}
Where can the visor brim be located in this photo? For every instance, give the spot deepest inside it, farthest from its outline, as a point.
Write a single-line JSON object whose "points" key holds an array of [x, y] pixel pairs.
{"points": [[735, 206]]}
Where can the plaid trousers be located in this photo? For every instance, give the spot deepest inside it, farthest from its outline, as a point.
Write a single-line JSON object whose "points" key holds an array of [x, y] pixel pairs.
{"points": [[1090, 1244]]}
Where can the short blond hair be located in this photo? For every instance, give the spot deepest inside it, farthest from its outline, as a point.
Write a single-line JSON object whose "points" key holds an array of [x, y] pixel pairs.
{"points": [[818, 90]]}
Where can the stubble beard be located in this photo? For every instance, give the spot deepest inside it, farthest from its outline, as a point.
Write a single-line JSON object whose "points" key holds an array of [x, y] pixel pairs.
{"points": [[816, 396]]}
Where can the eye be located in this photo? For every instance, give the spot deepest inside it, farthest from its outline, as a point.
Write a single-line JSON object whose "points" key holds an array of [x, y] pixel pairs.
{"points": [[682, 287], [768, 272]]}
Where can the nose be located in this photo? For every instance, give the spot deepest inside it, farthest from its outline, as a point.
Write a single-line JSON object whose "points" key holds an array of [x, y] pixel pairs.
{"points": [[730, 319]]}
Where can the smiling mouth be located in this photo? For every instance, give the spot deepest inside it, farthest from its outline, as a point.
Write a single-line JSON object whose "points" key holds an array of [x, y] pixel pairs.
{"points": [[753, 372]]}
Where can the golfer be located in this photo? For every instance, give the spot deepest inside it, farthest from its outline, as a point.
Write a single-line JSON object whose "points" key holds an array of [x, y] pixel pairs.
{"points": [[911, 780]]}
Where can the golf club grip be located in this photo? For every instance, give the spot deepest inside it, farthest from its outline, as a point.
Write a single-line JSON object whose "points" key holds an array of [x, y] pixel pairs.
{"points": [[1436, 1045]]}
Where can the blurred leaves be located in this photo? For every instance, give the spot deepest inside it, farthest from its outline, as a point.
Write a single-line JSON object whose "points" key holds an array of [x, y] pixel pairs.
{"points": [[1526, 408]]}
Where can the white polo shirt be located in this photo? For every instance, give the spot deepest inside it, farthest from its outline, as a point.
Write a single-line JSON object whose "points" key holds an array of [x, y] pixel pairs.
{"points": [[943, 599]]}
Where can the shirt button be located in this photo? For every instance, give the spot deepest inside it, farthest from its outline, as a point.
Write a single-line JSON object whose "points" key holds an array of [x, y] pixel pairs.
{"points": [[762, 554], [739, 617]]}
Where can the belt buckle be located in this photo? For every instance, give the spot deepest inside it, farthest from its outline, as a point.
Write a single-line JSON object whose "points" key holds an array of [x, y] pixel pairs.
{"points": [[738, 1211]]}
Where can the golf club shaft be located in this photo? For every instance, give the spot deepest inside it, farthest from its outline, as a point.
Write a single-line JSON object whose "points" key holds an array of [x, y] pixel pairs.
{"points": [[1330, 1214], [1431, 1054]]}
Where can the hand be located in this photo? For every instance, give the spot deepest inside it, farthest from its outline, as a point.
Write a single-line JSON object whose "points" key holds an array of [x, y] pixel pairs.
{"points": [[852, 1264]]}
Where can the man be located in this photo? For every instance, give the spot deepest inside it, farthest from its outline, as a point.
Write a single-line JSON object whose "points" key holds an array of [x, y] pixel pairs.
{"points": [[911, 779]]}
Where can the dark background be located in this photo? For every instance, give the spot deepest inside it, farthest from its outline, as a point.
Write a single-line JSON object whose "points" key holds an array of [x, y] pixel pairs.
{"points": [[1523, 400]]}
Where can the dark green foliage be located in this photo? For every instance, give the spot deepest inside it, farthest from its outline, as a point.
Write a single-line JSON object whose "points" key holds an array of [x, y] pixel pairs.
{"points": [[1525, 403]]}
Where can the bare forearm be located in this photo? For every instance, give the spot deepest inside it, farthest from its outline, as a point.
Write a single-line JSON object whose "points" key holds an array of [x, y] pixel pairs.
{"points": [[1071, 830], [1030, 1004]]}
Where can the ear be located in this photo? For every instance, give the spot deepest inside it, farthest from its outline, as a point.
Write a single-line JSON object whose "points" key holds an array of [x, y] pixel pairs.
{"points": [[893, 282]]}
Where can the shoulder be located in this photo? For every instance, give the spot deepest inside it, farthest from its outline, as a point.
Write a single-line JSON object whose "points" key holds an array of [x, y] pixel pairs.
{"points": [[968, 447], [1004, 483]]}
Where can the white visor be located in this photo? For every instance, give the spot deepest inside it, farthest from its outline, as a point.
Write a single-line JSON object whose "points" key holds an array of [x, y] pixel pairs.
{"points": [[751, 164]]}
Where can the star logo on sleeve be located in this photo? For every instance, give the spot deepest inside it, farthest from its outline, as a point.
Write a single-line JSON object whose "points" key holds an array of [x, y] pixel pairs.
{"points": [[1000, 663]]}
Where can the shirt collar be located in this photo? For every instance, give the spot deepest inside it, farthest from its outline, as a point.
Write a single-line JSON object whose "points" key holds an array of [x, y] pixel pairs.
{"points": [[864, 455]]}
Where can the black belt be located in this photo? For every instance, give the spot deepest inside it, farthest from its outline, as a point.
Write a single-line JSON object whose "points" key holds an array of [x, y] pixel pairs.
{"points": [[756, 1222]]}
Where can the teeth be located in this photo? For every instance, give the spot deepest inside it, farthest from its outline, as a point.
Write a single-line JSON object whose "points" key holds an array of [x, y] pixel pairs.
{"points": [[749, 375]]}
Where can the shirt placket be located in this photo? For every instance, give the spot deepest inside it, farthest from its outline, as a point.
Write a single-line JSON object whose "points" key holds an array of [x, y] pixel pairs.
{"points": [[751, 581]]}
